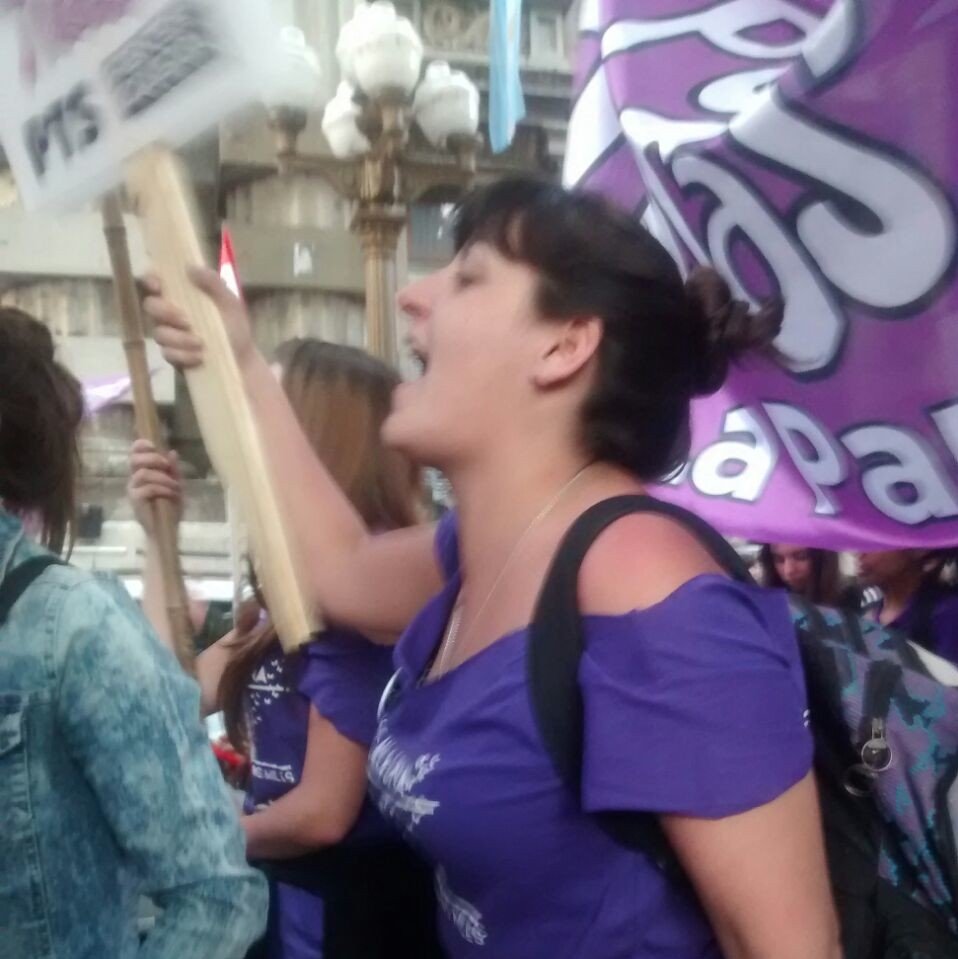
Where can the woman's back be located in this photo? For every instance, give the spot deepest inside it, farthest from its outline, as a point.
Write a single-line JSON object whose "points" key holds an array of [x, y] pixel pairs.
{"points": [[101, 763], [108, 785]]}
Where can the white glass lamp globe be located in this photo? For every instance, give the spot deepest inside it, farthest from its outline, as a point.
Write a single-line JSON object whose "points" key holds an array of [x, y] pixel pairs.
{"points": [[292, 73], [379, 51], [446, 104], [341, 124]]}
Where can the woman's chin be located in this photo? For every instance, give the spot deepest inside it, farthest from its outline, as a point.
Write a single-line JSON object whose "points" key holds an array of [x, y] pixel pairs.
{"points": [[396, 433], [401, 433]]}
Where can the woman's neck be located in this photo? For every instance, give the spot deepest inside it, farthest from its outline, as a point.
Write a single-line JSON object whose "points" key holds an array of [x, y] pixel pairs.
{"points": [[898, 595], [497, 501]]}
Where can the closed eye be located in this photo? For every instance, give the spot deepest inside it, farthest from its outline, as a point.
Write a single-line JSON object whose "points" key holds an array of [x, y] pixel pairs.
{"points": [[463, 280]]}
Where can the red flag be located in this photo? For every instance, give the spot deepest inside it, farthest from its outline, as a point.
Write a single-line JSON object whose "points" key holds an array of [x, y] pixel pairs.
{"points": [[228, 269]]}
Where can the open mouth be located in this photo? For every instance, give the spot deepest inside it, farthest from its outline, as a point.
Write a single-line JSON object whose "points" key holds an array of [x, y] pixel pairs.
{"points": [[419, 361]]}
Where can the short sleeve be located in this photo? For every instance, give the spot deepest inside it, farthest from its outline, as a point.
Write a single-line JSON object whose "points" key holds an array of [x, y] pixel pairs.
{"points": [[447, 544], [344, 676], [695, 706]]}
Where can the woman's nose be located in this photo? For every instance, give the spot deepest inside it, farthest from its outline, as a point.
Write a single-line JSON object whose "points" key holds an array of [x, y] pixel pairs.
{"points": [[414, 299]]}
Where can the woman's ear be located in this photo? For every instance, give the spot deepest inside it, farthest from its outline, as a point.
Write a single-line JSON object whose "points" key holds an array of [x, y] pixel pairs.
{"points": [[568, 350]]}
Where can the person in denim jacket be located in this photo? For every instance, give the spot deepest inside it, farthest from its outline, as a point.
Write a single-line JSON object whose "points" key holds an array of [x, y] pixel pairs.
{"points": [[108, 787]]}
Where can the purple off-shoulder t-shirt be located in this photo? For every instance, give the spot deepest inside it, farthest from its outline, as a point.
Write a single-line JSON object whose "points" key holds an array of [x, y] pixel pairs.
{"points": [[342, 675], [694, 706]]}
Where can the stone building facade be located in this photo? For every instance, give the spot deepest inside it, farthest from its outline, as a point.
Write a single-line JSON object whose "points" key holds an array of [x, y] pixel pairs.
{"points": [[301, 267]]}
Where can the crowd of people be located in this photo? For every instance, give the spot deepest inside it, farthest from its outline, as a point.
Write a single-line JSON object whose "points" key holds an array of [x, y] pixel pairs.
{"points": [[912, 590], [398, 798]]}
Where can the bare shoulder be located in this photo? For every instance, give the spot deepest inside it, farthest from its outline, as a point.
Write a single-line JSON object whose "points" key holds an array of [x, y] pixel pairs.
{"points": [[639, 561]]}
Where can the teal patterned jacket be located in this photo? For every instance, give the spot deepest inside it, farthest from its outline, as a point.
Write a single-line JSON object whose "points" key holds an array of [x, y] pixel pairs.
{"points": [[108, 788]]}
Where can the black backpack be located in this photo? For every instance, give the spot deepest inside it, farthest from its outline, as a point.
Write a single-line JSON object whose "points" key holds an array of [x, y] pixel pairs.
{"points": [[886, 750]]}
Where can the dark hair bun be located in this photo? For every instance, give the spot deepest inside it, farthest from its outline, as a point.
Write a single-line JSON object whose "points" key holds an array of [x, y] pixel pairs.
{"points": [[729, 328]]}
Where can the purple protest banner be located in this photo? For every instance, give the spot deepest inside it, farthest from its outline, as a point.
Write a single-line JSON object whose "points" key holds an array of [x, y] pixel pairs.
{"points": [[809, 150], [103, 391]]}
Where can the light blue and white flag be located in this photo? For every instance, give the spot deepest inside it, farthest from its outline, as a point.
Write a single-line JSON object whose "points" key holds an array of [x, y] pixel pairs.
{"points": [[507, 106]]}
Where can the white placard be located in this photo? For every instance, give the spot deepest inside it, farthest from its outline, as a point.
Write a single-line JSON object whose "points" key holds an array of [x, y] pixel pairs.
{"points": [[146, 71]]}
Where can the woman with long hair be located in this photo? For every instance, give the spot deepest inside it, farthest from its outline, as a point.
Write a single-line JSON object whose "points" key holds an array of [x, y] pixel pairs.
{"points": [[917, 596], [813, 574], [307, 719], [560, 350], [108, 787]]}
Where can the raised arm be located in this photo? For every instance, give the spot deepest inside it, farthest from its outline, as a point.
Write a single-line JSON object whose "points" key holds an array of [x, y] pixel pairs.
{"points": [[153, 476], [156, 475], [372, 583]]}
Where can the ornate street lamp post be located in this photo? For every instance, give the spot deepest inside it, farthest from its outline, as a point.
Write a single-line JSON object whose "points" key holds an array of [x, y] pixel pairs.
{"points": [[367, 125]]}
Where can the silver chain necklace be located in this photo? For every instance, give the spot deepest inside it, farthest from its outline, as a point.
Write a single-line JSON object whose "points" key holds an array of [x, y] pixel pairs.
{"points": [[455, 620]]}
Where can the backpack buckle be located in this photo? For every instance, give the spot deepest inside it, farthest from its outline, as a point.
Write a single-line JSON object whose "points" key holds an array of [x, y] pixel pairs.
{"points": [[876, 753], [877, 756]]}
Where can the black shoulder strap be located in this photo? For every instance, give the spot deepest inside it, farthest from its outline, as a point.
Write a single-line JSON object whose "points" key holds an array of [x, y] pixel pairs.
{"points": [[555, 648], [18, 580]]}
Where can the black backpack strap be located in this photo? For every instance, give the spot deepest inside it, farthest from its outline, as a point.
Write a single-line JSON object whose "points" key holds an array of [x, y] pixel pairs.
{"points": [[556, 642], [18, 580]]}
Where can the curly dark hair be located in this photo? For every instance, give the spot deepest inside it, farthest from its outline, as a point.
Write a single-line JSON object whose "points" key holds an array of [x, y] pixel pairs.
{"points": [[665, 340]]}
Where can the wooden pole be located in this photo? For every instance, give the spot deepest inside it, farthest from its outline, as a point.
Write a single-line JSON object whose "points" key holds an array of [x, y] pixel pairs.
{"points": [[148, 426], [170, 225]]}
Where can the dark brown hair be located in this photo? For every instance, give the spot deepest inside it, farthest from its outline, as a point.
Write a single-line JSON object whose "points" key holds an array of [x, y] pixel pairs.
{"points": [[664, 340], [828, 586], [41, 409], [341, 396]]}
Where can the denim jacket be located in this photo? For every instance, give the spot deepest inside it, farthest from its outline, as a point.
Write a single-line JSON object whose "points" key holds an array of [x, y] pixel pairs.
{"points": [[108, 787]]}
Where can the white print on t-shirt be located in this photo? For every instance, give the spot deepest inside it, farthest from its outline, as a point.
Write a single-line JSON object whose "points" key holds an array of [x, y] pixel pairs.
{"points": [[267, 684], [270, 772], [462, 914], [394, 776]]}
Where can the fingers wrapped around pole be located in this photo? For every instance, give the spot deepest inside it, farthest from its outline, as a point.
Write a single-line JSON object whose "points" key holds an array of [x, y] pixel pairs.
{"points": [[165, 207]]}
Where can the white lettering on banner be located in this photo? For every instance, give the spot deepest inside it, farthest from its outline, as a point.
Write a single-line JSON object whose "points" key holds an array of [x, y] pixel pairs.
{"points": [[818, 459], [879, 268], [898, 469], [831, 45], [813, 325], [737, 91], [946, 419], [725, 26], [858, 205], [905, 461], [667, 134], [745, 443], [656, 222]]}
